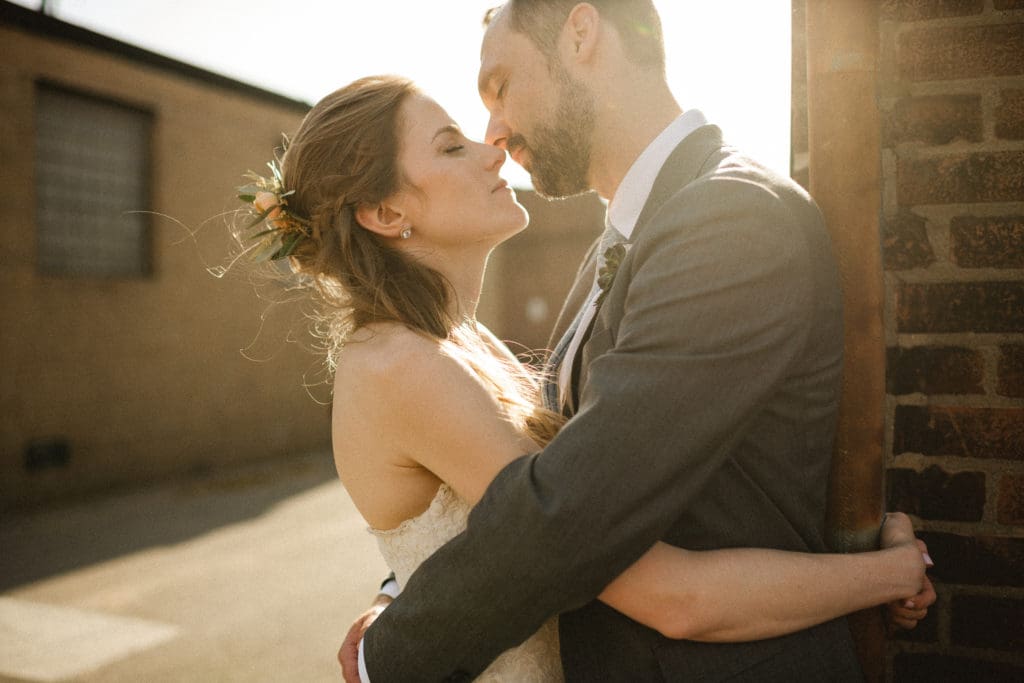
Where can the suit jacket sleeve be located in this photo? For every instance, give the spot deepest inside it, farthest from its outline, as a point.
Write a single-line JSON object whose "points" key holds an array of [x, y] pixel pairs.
{"points": [[719, 285]]}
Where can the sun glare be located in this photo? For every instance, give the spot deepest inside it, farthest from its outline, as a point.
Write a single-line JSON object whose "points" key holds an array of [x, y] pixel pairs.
{"points": [[729, 58]]}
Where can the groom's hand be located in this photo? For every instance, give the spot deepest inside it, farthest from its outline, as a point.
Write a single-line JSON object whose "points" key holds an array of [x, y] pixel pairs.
{"points": [[348, 654], [906, 613]]}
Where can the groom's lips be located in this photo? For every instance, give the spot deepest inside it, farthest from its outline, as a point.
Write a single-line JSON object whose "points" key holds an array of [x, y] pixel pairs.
{"points": [[519, 156], [500, 186]]}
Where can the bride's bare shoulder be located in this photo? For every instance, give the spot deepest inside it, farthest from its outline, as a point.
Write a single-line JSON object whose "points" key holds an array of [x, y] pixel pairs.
{"points": [[387, 357]]}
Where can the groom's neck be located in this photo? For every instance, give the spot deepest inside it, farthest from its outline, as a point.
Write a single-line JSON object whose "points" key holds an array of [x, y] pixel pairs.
{"points": [[630, 115]]}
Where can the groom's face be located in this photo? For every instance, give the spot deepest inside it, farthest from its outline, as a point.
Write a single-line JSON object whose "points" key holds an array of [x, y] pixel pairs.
{"points": [[540, 115]]}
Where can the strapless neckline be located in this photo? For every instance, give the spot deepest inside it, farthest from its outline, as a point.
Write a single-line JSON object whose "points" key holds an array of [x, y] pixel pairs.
{"points": [[444, 497], [407, 545]]}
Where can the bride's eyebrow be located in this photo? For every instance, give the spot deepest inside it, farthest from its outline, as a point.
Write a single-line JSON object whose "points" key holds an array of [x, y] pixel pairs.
{"points": [[450, 128]]}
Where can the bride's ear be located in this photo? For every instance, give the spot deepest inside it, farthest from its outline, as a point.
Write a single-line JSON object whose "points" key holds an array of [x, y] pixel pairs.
{"points": [[384, 219]]}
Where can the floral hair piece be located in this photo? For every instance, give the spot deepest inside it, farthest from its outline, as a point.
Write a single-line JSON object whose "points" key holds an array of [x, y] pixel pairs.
{"points": [[283, 230]]}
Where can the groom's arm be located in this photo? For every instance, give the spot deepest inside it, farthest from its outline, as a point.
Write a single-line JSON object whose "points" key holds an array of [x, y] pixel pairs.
{"points": [[715, 314]]}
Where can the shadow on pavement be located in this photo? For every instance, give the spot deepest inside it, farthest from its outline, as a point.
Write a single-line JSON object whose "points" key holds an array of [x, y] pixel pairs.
{"points": [[44, 543]]}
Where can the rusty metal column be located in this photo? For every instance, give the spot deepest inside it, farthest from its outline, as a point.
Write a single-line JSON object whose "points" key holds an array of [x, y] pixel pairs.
{"points": [[845, 179]]}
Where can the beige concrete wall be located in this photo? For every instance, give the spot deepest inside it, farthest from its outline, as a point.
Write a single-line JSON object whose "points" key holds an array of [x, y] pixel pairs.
{"points": [[143, 377]]}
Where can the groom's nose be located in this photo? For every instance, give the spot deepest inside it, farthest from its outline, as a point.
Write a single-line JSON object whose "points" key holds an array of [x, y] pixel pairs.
{"points": [[497, 133]]}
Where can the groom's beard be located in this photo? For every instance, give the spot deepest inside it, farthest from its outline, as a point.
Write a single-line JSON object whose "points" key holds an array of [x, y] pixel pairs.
{"points": [[560, 153]]}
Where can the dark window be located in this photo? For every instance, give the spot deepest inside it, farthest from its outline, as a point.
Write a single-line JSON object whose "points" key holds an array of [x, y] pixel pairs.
{"points": [[92, 167]]}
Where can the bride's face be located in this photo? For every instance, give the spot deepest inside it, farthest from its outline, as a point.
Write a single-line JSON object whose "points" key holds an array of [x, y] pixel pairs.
{"points": [[456, 196]]}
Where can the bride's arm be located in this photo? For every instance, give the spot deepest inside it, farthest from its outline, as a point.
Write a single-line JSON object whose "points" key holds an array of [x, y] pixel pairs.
{"points": [[741, 594]]}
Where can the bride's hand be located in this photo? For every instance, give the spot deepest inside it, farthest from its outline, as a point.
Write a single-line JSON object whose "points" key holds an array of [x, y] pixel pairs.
{"points": [[897, 529], [348, 654], [907, 612]]}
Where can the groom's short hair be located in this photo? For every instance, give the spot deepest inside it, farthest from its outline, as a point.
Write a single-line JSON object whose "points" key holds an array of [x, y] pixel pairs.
{"points": [[637, 22]]}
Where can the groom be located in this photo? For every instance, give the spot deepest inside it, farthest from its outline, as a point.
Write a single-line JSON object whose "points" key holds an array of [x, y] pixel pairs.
{"points": [[702, 375]]}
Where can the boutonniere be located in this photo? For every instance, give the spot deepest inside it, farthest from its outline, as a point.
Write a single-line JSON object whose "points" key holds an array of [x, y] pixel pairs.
{"points": [[611, 261]]}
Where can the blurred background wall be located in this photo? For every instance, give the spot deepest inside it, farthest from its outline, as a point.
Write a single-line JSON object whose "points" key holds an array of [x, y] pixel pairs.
{"points": [[120, 353]]}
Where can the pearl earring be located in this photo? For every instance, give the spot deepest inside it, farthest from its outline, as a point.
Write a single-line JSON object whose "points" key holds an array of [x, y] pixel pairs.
{"points": [[406, 232]]}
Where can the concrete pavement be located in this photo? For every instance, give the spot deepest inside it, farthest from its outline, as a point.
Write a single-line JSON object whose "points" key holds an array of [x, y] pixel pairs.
{"points": [[249, 575]]}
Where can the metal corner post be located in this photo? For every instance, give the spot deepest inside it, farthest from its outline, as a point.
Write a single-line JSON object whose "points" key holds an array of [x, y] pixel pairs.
{"points": [[845, 178]]}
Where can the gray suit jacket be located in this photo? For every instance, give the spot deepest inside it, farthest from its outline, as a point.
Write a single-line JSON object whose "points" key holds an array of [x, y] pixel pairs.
{"points": [[707, 398]]}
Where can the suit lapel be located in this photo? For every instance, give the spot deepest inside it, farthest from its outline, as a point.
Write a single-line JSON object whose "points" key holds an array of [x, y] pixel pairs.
{"points": [[681, 168]]}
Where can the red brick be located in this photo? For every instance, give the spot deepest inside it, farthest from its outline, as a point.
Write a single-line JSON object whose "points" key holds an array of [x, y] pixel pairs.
{"points": [[981, 307], [996, 433], [976, 560], [936, 54], [962, 178], [988, 622], [1010, 115], [915, 10], [941, 668], [936, 120], [937, 494], [1010, 507], [905, 242], [988, 242], [1011, 371], [934, 370]]}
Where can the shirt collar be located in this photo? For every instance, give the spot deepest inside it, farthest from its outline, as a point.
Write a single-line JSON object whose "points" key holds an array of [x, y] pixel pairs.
{"points": [[636, 186]]}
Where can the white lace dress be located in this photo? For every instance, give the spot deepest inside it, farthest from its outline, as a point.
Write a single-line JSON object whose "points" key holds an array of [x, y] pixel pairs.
{"points": [[415, 539]]}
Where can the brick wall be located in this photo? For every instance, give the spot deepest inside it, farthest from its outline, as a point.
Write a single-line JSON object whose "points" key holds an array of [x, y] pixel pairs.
{"points": [[951, 94], [951, 99]]}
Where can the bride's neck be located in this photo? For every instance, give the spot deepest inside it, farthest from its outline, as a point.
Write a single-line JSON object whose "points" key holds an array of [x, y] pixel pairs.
{"points": [[466, 276]]}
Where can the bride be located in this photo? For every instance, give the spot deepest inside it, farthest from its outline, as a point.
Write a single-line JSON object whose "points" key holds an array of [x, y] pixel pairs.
{"points": [[389, 213]]}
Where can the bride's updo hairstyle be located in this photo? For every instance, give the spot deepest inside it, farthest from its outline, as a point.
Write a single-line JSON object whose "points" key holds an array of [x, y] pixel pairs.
{"points": [[346, 154]]}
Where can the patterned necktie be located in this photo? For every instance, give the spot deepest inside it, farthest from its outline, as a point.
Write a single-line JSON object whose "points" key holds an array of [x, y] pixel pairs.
{"points": [[551, 401], [553, 392]]}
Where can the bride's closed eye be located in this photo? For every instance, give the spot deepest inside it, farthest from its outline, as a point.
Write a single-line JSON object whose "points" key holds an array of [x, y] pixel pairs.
{"points": [[453, 149]]}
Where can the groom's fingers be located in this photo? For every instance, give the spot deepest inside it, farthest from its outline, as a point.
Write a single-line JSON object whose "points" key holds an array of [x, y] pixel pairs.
{"points": [[348, 657], [901, 619], [907, 613], [348, 654], [905, 624], [927, 596]]}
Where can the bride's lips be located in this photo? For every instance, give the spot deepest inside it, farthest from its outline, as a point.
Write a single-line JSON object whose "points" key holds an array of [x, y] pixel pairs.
{"points": [[500, 186]]}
